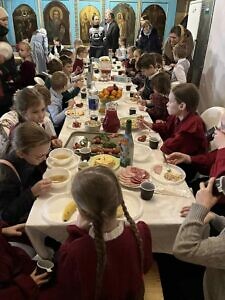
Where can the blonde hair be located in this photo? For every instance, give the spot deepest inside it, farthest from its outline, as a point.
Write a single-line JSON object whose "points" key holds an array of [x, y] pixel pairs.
{"points": [[26, 44], [44, 92], [58, 81]]}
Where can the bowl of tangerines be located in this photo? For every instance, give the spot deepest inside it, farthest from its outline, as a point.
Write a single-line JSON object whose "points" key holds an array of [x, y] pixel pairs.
{"points": [[110, 93]]}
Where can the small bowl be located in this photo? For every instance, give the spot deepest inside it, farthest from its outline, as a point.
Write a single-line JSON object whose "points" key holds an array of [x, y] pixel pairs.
{"points": [[61, 156], [59, 176], [92, 126]]}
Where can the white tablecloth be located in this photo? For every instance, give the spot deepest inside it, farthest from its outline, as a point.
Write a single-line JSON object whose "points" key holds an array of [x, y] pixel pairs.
{"points": [[162, 213]]}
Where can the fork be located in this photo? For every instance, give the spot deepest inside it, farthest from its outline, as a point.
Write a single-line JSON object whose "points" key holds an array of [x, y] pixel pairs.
{"points": [[166, 161]]}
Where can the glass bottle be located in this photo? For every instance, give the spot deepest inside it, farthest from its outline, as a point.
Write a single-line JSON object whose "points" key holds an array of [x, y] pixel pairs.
{"points": [[111, 122], [127, 146], [93, 102]]}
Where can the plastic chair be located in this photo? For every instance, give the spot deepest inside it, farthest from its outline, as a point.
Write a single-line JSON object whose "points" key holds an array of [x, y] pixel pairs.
{"points": [[212, 117], [39, 80]]}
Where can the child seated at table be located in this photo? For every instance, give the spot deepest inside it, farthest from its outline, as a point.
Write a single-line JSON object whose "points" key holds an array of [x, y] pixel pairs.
{"points": [[129, 62], [92, 256], [138, 77], [53, 66], [18, 278], [182, 66], [211, 164], [147, 64], [59, 82], [29, 105], [20, 183], [121, 52], [57, 48], [27, 68], [73, 86], [184, 130], [81, 54], [156, 106]]}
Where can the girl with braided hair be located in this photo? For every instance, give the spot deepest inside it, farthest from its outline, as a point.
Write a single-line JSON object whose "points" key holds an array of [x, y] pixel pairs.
{"points": [[103, 258]]}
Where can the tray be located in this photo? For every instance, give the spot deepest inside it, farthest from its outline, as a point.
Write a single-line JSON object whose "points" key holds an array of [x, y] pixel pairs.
{"points": [[78, 136]]}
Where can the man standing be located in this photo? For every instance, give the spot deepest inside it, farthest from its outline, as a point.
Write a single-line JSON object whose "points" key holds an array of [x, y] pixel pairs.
{"points": [[96, 34], [112, 33]]}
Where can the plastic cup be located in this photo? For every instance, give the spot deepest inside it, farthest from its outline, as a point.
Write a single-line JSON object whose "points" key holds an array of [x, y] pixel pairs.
{"points": [[85, 153], [147, 190], [44, 266]]}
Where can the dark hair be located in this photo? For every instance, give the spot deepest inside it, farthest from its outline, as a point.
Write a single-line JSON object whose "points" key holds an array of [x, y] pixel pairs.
{"points": [[112, 15], [146, 60], [147, 23], [80, 50], [65, 60], [145, 17], [27, 136], [54, 65], [159, 60], [187, 93], [57, 39], [58, 81], [44, 92], [176, 30], [98, 194], [65, 52], [161, 83], [94, 15], [180, 51], [26, 98]]}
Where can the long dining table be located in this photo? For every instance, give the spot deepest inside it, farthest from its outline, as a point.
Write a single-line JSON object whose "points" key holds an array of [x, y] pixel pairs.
{"points": [[161, 213]]}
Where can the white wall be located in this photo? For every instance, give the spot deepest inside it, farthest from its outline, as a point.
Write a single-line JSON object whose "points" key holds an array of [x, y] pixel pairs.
{"points": [[212, 84]]}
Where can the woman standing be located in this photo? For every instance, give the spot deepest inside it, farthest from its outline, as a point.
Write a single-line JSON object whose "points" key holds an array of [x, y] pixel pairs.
{"points": [[39, 46], [96, 34]]}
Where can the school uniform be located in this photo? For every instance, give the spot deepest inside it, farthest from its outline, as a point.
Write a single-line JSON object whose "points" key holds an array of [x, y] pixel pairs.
{"points": [[15, 269], [16, 198], [158, 109], [186, 136], [27, 74], [123, 277], [78, 66]]}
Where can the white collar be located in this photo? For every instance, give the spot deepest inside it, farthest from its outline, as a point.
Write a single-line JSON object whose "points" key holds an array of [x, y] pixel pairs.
{"points": [[181, 59], [108, 236]]}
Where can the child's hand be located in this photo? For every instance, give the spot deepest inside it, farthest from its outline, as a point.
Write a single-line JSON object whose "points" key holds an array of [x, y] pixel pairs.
{"points": [[142, 102], [39, 279], [41, 187], [79, 83], [141, 108], [56, 143], [209, 217], [159, 121], [15, 230], [71, 103], [176, 158], [184, 211], [142, 124], [204, 196]]}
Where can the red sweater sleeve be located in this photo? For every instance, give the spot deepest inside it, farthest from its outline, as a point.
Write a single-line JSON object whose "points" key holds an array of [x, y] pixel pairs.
{"points": [[165, 129], [204, 162]]}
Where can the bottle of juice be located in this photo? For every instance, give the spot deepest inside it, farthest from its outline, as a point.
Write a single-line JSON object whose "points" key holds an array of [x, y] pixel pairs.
{"points": [[111, 121], [127, 146]]}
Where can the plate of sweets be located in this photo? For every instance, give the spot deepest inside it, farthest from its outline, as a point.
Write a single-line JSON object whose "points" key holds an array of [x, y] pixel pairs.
{"points": [[132, 177], [167, 173], [73, 113]]}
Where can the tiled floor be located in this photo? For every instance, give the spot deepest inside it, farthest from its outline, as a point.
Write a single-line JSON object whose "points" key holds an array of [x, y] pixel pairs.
{"points": [[153, 289]]}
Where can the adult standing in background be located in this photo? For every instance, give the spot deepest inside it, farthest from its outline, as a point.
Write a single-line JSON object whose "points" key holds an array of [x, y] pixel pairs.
{"points": [[96, 34], [142, 21], [8, 71], [149, 40], [178, 36], [112, 33], [39, 46]]}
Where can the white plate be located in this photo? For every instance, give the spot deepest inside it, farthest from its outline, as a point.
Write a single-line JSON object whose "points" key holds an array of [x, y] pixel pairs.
{"points": [[71, 165], [141, 153], [133, 203], [74, 113], [116, 160], [53, 209], [161, 178]]}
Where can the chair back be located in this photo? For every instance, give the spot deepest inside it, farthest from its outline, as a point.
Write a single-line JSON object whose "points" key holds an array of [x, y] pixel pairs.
{"points": [[211, 118]]}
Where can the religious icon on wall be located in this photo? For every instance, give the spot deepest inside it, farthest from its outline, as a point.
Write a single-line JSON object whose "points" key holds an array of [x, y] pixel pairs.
{"points": [[25, 22], [157, 17], [86, 15], [125, 17], [56, 20]]}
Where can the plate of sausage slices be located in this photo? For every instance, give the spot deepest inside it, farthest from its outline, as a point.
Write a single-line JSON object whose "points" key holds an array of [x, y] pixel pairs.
{"points": [[132, 177]]}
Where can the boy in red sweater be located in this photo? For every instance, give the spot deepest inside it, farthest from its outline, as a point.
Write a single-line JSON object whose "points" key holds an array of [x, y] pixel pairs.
{"points": [[184, 130]]}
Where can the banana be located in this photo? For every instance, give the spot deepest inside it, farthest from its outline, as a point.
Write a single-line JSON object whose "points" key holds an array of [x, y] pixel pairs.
{"points": [[119, 212], [69, 210]]}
